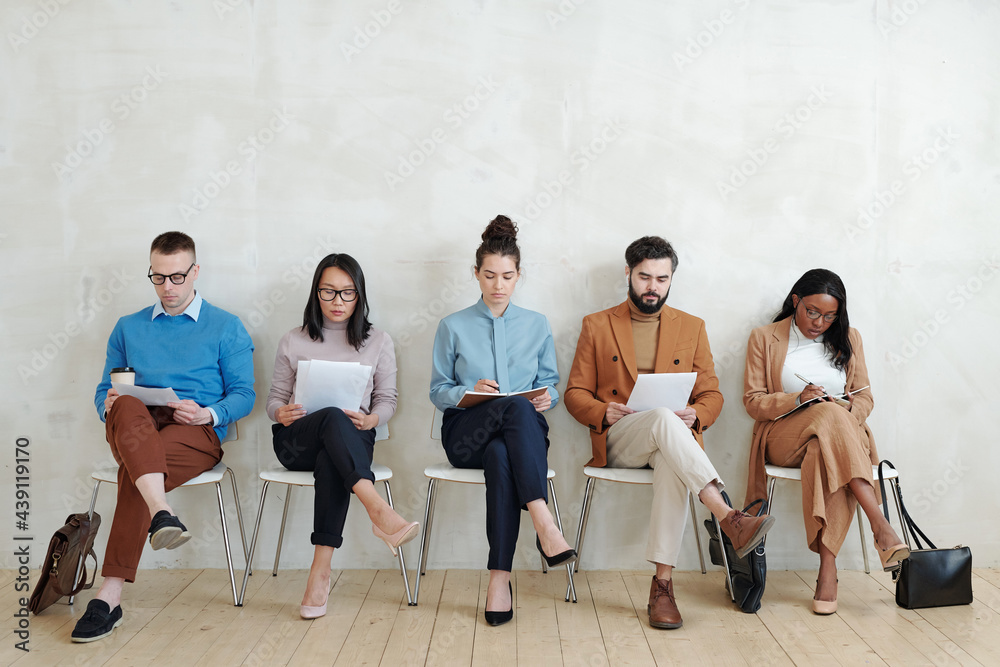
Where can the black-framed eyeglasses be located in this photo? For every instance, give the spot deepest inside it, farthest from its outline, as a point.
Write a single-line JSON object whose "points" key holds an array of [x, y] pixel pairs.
{"points": [[346, 295], [815, 315], [175, 278]]}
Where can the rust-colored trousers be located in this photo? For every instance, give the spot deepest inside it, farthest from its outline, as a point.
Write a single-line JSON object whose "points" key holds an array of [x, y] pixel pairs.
{"points": [[146, 440], [831, 447]]}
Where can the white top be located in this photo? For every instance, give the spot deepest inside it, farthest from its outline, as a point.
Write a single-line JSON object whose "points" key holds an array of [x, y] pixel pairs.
{"points": [[810, 359]]}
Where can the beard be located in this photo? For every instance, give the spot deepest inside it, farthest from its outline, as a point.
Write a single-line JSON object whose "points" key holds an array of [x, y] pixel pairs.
{"points": [[647, 308]]}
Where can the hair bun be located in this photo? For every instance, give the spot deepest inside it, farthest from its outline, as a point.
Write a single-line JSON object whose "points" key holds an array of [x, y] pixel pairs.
{"points": [[500, 227]]}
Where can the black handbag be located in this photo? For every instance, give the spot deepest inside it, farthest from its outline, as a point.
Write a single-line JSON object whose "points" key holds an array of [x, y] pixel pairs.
{"points": [[68, 545], [749, 573], [930, 577]]}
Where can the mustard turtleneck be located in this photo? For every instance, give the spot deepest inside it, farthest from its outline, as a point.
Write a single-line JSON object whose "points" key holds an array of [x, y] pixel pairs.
{"points": [[645, 336]]}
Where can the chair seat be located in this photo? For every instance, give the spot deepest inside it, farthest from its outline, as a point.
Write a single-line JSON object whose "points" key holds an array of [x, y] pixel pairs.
{"points": [[109, 474], [449, 473], [795, 474], [624, 475], [281, 475]]}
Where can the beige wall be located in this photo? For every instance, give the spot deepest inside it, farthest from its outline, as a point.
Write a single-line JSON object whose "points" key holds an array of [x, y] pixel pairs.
{"points": [[749, 133]]}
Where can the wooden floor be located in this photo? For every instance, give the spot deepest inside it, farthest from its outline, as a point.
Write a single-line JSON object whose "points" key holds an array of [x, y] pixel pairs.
{"points": [[186, 617]]}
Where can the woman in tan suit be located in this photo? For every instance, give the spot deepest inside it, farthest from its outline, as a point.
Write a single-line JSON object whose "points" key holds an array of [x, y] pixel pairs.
{"points": [[810, 354]]}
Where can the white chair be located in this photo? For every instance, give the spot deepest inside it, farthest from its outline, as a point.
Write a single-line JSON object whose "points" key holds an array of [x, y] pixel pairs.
{"points": [[278, 474], [445, 472], [774, 473], [642, 476], [109, 475]]}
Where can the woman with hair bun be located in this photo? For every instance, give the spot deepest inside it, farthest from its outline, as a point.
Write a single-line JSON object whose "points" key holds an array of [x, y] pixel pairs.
{"points": [[495, 346], [811, 353]]}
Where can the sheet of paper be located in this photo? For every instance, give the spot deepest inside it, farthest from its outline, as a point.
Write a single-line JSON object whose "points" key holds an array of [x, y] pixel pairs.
{"points": [[148, 395], [662, 390], [472, 398], [323, 384]]}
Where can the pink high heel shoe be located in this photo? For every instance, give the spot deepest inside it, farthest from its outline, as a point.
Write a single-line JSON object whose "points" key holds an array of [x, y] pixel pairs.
{"points": [[400, 537]]}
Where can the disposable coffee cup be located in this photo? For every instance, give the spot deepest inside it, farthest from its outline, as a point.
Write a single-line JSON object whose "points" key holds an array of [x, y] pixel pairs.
{"points": [[125, 375]]}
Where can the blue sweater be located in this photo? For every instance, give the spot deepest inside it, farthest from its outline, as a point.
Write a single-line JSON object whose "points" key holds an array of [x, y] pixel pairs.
{"points": [[209, 361]]}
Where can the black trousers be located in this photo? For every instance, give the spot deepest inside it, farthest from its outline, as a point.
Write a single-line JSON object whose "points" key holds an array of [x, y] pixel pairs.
{"points": [[328, 443], [508, 439]]}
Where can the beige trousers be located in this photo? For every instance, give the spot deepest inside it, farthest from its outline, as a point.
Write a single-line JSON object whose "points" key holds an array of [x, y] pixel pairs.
{"points": [[659, 439]]}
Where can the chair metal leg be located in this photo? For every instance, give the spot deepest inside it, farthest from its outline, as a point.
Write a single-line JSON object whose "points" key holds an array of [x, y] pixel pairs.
{"points": [[725, 559], [864, 543], [581, 529], [570, 586], [697, 534], [225, 541], [90, 515], [281, 532], [253, 541], [425, 538], [239, 513], [770, 496], [402, 562]]}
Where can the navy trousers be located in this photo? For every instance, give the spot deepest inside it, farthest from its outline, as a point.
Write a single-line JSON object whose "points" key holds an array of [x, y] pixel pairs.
{"points": [[508, 439], [328, 443]]}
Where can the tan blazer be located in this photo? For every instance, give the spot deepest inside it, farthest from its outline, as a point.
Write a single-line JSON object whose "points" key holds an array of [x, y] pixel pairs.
{"points": [[764, 398], [604, 369]]}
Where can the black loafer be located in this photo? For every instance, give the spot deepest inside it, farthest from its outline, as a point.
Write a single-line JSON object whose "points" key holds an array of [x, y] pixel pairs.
{"points": [[97, 622], [564, 558], [167, 532], [495, 618]]}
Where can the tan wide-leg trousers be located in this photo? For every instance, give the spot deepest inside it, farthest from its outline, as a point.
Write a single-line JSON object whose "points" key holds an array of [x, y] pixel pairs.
{"points": [[831, 447], [658, 438]]}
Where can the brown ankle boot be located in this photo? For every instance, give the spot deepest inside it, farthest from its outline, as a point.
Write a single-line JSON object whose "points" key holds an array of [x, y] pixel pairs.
{"points": [[745, 531], [662, 608]]}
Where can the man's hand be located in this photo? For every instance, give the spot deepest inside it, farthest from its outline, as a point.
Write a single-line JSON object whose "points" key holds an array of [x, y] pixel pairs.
{"points": [[487, 386], [110, 399], [361, 421], [542, 402], [687, 415], [615, 412], [189, 413], [286, 414]]}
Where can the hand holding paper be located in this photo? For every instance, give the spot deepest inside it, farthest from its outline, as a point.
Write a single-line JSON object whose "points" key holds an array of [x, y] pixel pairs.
{"points": [[662, 390]]}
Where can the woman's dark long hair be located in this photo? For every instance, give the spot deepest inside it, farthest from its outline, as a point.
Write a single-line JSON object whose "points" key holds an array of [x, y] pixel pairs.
{"points": [[358, 325], [822, 281]]}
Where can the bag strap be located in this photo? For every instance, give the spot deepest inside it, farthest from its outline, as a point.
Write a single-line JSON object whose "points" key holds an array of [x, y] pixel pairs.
{"points": [[911, 525], [762, 510]]}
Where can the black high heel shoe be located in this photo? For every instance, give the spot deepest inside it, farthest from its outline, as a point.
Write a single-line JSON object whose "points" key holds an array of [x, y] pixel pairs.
{"points": [[500, 617], [564, 558]]}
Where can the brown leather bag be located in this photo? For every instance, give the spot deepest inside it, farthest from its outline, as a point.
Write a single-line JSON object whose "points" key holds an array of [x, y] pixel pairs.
{"points": [[66, 547]]}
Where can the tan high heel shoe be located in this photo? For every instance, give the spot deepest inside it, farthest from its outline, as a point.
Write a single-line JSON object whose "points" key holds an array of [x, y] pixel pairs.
{"points": [[400, 537], [824, 607], [891, 556]]}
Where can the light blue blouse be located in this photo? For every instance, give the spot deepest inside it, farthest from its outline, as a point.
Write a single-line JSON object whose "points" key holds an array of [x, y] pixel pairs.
{"points": [[516, 350]]}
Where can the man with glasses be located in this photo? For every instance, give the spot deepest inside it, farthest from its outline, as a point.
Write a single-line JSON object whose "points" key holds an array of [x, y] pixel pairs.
{"points": [[206, 356], [643, 335]]}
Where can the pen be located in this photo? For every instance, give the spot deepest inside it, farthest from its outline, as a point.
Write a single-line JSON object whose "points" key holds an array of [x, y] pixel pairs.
{"points": [[808, 383]]}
